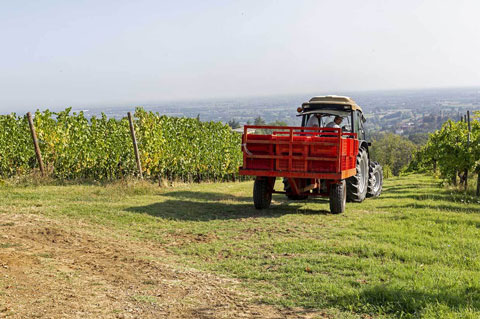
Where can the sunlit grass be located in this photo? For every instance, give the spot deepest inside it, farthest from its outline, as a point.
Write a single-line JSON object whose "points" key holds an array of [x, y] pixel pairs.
{"points": [[412, 253]]}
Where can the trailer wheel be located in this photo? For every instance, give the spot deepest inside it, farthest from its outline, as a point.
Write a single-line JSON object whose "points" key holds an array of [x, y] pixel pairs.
{"points": [[288, 190], [262, 193], [357, 185], [375, 180], [338, 197]]}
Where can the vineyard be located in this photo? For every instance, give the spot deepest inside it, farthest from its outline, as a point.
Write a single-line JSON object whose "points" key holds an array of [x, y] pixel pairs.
{"points": [[75, 147], [453, 151]]}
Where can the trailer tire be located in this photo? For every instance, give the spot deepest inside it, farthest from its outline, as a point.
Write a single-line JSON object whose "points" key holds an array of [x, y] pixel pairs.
{"points": [[375, 180], [357, 185], [262, 193], [338, 197], [288, 189]]}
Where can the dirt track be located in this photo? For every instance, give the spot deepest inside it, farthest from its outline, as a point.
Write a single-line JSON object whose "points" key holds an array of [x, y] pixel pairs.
{"points": [[54, 270]]}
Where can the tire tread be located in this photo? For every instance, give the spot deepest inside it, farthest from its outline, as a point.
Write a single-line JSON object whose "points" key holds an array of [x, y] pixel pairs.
{"points": [[353, 182], [373, 167], [262, 197], [337, 198]]}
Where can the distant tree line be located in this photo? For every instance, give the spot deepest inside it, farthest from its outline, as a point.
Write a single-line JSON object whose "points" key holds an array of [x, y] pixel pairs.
{"points": [[234, 124]]}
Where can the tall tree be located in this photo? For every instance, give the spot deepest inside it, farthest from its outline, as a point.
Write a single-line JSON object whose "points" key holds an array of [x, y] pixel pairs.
{"points": [[392, 150], [234, 124], [259, 121]]}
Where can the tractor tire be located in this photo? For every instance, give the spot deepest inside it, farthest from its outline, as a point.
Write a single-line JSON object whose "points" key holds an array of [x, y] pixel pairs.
{"points": [[338, 197], [288, 190], [357, 185], [262, 194], [375, 180]]}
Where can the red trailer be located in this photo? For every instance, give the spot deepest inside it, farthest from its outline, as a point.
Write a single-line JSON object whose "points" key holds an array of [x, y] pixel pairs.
{"points": [[314, 161]]}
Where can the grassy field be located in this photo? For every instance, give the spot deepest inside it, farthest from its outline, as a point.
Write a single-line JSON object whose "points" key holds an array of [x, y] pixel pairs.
{"points": [[412, 253]]}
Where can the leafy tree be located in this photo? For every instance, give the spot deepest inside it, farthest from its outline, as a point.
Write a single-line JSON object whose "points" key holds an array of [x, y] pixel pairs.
{"points": [[269, 131], [418, 139], [278, 123], [259, 121], [234, 124], [392, 151]]}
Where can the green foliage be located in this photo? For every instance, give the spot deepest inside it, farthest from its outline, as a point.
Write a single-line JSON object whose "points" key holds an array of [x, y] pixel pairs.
{"points": [[16, 151], [183, 148], [233, 123], [73, 146], [278, 123], [268, 131], [259, 121], [449, 151], [392, 151], [418, 138], [387, 171]]}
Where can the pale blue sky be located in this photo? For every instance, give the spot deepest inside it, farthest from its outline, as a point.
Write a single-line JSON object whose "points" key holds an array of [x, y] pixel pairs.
{"points": [[87, 53]]}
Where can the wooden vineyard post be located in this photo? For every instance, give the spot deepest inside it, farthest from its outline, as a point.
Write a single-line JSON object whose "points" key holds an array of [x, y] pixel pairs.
{"points": [[135, 146], [465, 174], [478, 169], [469, 126], [478, 183], [35, 143]]}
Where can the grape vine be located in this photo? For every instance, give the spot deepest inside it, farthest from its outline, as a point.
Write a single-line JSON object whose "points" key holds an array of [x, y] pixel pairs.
{"points": [[452, 151], [74, 146]]}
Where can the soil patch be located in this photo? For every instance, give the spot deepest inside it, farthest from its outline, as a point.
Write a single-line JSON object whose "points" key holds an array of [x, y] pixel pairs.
{"points": [[50, 269]]}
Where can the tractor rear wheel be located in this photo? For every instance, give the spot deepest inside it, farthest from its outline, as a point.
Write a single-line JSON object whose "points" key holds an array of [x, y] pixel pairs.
{"points": [[375, 180], [357, 185], [288, 190], [262, 193], [338, 197]]}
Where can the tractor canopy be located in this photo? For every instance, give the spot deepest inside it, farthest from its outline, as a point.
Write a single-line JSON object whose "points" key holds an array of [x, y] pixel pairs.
{"points": [[330, 102], [327, 107]]}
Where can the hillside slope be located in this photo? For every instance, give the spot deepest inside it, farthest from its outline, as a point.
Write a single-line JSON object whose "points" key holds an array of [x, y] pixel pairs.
{"points": [[203, 251]]}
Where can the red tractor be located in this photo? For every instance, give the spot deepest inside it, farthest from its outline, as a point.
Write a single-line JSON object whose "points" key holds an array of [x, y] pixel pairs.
{"points": [[319, 158]]}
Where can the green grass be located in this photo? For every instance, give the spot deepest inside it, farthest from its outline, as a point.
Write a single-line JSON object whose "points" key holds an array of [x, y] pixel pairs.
{"points": [[412, 253]]}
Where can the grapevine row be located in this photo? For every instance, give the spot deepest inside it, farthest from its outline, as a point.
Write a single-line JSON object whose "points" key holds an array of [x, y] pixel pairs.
{"points": [[453, 151], [74, 146]]}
